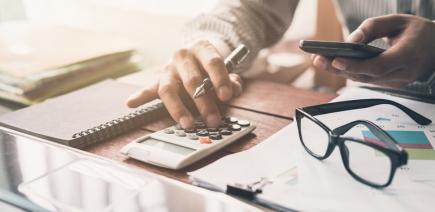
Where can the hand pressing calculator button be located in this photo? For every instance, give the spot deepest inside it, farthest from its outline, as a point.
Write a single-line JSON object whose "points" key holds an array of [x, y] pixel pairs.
{"points": [[176, 148]]}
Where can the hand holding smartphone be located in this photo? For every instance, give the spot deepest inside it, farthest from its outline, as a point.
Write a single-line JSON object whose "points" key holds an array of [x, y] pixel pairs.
{"points": [[340, 49]]}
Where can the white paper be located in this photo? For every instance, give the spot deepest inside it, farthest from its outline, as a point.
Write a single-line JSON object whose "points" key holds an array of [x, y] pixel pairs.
{"points": [[299, 181]]}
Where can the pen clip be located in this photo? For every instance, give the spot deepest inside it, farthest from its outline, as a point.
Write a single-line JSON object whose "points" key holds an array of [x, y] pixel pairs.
{"points": [[243, 58]]}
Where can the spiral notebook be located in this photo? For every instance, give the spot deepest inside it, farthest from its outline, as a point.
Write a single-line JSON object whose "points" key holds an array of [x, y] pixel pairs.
{"points": [[83, 117]]}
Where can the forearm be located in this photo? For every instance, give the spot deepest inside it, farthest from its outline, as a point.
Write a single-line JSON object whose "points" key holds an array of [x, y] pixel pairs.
{"points": [[255, 23]]}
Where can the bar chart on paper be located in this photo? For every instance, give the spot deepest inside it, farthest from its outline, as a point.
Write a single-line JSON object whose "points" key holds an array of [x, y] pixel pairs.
{"points": [[418, 140]]}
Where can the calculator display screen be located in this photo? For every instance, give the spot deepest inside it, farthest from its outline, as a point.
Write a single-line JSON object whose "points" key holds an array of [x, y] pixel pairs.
{"points": [[181, 150]]}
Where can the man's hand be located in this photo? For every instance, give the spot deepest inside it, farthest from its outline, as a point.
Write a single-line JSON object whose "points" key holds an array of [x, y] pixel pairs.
{"points": [[411, 56], [178, 81]]}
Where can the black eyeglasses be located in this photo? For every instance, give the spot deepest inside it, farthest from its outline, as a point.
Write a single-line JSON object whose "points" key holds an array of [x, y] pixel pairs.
{"points": [[372, 162]]}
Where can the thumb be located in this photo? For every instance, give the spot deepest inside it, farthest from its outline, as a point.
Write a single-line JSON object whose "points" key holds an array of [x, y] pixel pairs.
{"points": [[378, 27]]}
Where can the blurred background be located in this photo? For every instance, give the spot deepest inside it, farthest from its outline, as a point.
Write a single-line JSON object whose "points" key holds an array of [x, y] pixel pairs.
{"points": [[154, 28]]}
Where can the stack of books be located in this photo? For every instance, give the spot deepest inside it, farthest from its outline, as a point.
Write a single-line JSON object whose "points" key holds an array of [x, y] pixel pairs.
{"points": [[40, 61]]}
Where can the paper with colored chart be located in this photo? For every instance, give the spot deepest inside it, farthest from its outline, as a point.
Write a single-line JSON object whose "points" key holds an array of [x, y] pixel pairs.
{"points": [[299, 181]]}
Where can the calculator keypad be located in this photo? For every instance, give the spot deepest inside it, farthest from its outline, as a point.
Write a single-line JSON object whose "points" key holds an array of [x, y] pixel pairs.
{"points": [[192, 136], [204, 135], [235, 127], [165, 145], [180, 133]]}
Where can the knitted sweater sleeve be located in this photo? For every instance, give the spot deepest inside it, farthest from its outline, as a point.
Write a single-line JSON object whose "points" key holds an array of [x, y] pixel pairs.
{"points": [[255, 23]]}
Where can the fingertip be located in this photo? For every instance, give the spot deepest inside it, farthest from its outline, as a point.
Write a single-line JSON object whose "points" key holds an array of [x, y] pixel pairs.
{"points": [[131, 101], [130, 104], [356, 36], [235, 77], [320, 62], [236, 84], [225, 93], [186, 122], [340, 64], [213, 120], [237, 89]]}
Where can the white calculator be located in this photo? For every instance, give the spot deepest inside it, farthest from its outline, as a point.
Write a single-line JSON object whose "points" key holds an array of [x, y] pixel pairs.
{"points": [[176, 148]]}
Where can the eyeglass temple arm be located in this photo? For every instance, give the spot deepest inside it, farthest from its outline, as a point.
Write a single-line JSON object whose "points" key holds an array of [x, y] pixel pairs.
{"points": [[363, 103], [378, 132]]}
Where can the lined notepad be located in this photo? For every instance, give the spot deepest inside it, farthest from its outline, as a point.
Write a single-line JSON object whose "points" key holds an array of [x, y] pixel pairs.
{"points": [[86, 116]]}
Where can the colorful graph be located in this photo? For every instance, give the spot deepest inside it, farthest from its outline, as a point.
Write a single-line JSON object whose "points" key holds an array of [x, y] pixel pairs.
{"points": [[416, 143]]}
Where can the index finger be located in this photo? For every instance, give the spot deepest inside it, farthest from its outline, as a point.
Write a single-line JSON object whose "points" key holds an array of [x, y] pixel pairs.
{"points": [[214, 65], [143, 96], [378, 27]]}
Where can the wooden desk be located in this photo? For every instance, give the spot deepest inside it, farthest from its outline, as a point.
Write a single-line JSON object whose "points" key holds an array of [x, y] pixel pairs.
{"points": [[268, 105]]}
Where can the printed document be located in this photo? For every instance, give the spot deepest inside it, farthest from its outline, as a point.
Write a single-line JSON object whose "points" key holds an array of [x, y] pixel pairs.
{"points": [[301, 182]]}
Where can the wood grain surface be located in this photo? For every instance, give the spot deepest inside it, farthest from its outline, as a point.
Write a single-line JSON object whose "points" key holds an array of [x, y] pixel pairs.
{"points": [[268, 105]]}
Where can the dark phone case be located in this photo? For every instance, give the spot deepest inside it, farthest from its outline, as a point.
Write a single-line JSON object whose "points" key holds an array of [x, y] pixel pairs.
{"points": [[340, 49]]}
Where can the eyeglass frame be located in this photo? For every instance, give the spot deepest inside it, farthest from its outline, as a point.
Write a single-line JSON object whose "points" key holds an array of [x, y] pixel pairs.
{"points": [[397, 155]]}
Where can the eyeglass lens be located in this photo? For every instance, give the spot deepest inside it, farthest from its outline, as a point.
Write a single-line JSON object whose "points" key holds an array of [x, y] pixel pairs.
{"points": [[314, 137], [368, 163], [364, 161]]}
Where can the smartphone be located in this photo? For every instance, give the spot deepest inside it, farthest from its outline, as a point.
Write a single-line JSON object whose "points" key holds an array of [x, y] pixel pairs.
{"points": [[340, 49]]}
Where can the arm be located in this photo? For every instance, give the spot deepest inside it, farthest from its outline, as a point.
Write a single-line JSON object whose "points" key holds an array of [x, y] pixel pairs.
{"points": [[255, 23]]}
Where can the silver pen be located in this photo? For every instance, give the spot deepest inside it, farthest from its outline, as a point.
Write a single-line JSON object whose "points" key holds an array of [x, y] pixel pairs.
{"points": [[235, 58]]}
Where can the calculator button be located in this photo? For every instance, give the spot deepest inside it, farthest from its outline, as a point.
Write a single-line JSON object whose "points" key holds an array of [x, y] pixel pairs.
{"points": [[180, 133], [192, 136], [243, 123], [202, 133], [212, 133], [200, 125], [226, 132], [235, 127], [231, 120], [168, 131], [223, 125], [204, 140], [212, 129], [190, 130], [178, 127], [215, 136]]}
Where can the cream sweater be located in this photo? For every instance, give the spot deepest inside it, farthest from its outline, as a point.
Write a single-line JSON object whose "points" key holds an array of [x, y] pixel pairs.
{"points": [[261, 23]]}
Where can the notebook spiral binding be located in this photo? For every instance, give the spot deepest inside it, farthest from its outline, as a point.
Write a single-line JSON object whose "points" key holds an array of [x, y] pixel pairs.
{"points": [[116, 126]]}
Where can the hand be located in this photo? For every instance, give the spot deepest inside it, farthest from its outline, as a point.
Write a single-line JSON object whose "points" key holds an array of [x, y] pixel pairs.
{"points": [[187, 69], [411, 56]]}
